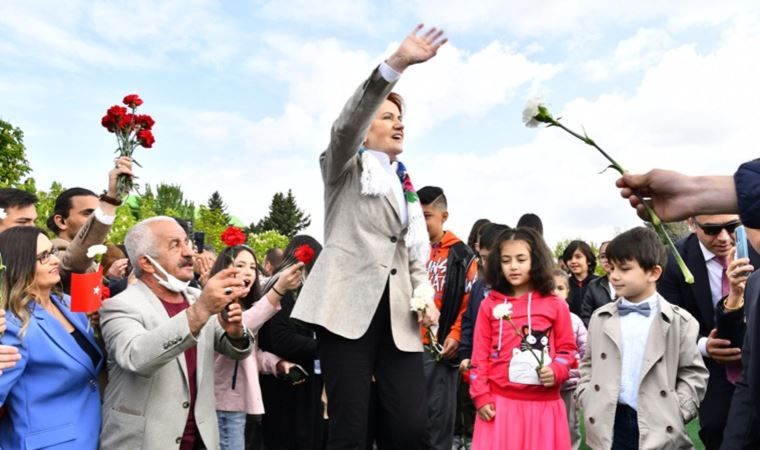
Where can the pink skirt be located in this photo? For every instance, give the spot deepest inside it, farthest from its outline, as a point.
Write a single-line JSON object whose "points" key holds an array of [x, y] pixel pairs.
{"points": [[524, 425]]}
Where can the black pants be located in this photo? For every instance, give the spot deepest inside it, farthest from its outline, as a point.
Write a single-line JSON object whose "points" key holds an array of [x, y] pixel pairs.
{"points": [[626, 432], [348, 366], [713, 411]]}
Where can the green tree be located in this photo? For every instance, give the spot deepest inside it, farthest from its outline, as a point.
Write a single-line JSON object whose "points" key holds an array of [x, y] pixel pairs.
{"points": [[284, 216], [170, 201], [13, 163], [262, 242], [46, 205], [125, 219], [147, 204], [215, 203], [212, 222]]}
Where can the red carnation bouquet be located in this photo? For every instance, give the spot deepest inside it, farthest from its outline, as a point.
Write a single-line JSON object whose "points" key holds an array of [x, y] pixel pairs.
{"points": [[132, 130], [233, 236]]}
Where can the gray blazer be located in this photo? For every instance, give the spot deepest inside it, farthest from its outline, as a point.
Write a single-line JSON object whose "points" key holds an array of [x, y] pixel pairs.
{"points": [[147, 399], [364, 238]]}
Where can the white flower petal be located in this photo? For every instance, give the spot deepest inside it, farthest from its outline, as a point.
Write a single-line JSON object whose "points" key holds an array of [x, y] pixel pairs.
{"points": [[3, 215], [531, 111], [96, 250]]}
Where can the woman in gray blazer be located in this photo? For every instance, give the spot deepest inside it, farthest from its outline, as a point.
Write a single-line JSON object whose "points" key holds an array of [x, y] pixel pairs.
{"points": [[376, 246]]}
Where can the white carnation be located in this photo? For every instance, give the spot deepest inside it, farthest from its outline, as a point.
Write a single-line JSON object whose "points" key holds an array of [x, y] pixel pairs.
{"points": [[503, 311], [2, 214], [96, 250], [531, 111], [423, 294]]}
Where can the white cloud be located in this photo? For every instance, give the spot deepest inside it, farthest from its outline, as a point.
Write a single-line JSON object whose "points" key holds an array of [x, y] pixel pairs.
{"points": [[574, 17], [640, 51]]}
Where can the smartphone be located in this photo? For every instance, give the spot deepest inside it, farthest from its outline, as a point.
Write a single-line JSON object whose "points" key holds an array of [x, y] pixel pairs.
{"points": [[297, 374], [741, 242], [199, 239]]}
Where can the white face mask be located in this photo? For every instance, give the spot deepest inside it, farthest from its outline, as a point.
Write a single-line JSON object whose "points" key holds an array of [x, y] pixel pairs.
{"points": [[171, 282]]}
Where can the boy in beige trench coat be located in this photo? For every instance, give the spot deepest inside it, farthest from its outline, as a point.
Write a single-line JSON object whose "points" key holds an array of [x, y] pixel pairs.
{"points": [[642, 377]]}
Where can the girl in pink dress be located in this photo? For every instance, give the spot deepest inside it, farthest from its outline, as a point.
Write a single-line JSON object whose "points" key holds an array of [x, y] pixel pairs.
{"points": [[523, 350]]}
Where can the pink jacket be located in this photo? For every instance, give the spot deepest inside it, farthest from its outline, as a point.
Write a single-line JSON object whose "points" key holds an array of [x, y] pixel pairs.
{"points": [[580, 333], [247, 393]]}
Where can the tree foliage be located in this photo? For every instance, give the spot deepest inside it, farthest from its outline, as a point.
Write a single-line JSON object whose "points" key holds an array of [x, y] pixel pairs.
{"points": [[13, 163], [284, 216]]}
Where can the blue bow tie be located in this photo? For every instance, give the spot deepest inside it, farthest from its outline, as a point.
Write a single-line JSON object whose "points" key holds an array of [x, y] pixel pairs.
{"points": [[644, 309]]}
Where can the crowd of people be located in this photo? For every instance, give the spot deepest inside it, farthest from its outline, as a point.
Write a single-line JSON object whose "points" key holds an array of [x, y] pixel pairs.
{"points": [[395, 334]]}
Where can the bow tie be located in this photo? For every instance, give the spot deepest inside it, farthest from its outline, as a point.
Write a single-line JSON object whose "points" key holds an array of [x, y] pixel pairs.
{"points": [[644, 309]]}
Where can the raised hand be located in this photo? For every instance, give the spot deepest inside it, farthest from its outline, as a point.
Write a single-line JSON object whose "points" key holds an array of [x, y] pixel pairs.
{"points": [[416, 49]]}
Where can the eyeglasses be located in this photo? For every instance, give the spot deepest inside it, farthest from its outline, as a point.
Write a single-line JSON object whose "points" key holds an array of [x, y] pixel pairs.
{"points": [[714, 230], [44, 257]]}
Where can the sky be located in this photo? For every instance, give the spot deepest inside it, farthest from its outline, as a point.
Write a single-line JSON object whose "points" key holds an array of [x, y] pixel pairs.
{"points": [[244, 94]]}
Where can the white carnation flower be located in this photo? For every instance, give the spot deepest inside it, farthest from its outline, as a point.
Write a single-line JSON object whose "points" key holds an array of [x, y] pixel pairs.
{"points": [[503, 311], [422, 295], [96, 250], [2, 214], [531, 111]]}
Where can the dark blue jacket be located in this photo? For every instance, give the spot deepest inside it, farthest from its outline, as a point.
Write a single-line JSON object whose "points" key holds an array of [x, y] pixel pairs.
{"points": [[747, 180], [477, 294]]}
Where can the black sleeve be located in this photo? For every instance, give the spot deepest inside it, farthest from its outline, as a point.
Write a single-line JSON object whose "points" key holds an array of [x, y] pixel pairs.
{"points": [[730, 324], [289, 340]]}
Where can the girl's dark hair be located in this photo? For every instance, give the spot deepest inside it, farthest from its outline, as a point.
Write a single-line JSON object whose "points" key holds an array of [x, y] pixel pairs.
{"points": [[584, 248], [18, 247], [490, 233], [541, 262], [288, 255], [226, 258], [476, 231]]}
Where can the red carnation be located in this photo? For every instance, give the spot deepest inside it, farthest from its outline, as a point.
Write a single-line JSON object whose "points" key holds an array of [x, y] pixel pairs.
{"points": [[125, 122], [133, 100], [233, 236], [304, 254], [117, 111], [145, 121], [109, 122], [146, 138]]}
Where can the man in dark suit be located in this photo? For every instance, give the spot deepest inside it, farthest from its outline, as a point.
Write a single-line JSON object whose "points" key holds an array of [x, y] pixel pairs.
{"points": [[706, 253]]}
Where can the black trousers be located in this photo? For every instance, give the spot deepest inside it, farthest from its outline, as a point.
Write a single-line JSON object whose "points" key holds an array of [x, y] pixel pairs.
{"points": [[626, 432], [348, 366], [714, 409]]}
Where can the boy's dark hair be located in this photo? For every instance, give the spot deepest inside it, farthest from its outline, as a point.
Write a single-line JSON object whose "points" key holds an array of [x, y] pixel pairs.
{"points": [[531, 220], [15, 198], [541, 262], [584, 248], [638, 244], [490, 233], [63, 205], [476, 231], [434, 196]]}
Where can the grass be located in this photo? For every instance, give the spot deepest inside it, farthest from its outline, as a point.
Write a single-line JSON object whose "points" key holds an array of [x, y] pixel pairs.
{"points": [[692, 429]]}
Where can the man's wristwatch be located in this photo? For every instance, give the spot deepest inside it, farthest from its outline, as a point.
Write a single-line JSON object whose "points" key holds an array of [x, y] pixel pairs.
{"points": [[104, 197], [239, 340]]}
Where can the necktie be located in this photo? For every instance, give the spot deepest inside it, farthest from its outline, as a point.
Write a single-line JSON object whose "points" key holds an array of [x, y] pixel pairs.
{"points": [[644, 309], [725, 285]]}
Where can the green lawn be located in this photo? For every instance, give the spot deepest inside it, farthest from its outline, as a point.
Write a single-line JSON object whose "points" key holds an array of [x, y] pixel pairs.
{"points": [[692, 428]]}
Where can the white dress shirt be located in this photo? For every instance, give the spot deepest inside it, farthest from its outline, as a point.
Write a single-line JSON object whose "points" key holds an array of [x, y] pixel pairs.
{"points": [[715, 277], [634, 332], [398, 192]]}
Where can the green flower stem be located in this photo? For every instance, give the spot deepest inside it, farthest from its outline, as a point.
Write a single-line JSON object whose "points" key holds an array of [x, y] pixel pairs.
{"points": [[545, 117]]}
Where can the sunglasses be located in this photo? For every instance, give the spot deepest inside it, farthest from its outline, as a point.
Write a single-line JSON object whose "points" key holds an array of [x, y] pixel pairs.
{"points": [[714, 230]]}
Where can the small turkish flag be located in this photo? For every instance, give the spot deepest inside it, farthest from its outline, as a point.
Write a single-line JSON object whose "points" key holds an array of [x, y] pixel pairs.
{"points": [[87, 291]]}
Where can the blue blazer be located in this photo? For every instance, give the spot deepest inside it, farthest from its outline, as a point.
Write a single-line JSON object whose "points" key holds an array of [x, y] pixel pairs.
{"points": [[52, 393]]}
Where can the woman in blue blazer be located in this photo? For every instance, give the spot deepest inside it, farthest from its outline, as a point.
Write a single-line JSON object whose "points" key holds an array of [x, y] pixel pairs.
{"points": [[51, 395]]}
